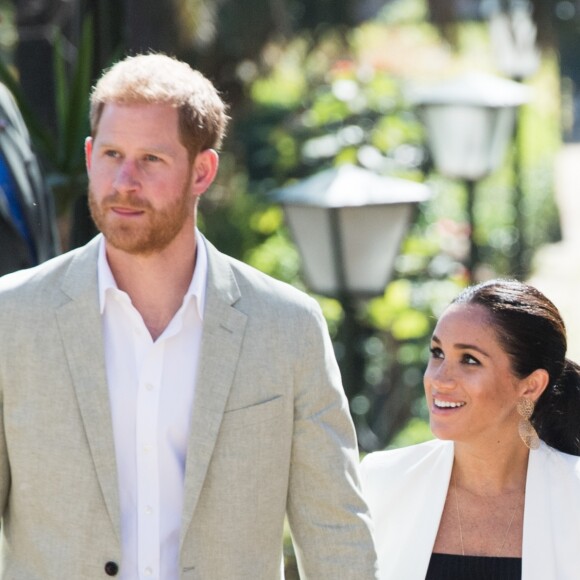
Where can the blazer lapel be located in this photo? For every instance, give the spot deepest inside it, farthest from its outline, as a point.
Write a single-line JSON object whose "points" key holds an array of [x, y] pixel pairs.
{"points": [[223, 331], [79, 321], [426, 482]]}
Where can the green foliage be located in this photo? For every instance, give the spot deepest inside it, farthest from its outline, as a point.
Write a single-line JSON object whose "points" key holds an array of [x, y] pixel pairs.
{"points": [[283, 88], [415, 431], [8, 35], [405, 11], [72, 104], [277, 257]]}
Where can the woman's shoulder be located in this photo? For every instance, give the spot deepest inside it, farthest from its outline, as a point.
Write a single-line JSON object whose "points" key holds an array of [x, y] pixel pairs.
{"points": [[405, 487], [564, 461], [399, 461]]}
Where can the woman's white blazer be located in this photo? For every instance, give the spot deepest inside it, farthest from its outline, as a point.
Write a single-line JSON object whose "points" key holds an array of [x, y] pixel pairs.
{"points": [[406, 490]]}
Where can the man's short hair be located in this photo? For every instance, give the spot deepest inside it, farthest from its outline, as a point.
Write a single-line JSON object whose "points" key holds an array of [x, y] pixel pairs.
{"points": [[161, 79]]}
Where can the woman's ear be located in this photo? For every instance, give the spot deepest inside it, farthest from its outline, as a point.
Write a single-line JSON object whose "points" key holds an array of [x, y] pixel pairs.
{"points": [[535, 384]]}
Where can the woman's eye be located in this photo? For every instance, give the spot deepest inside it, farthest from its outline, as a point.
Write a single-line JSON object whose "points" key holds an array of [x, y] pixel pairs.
{"points": [[470, 360], [436, 352]]}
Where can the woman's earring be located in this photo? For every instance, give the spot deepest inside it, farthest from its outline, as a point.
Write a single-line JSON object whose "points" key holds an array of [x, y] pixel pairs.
{"points": [[526, 430]]}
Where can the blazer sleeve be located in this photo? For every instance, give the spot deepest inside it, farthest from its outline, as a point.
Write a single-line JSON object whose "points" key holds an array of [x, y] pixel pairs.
{"points": [[328, 518], [4, 467]]}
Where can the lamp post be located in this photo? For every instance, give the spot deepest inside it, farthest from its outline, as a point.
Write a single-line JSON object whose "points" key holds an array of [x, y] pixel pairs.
{"points": [[513, 40], [565, 19], [348, 223], [469, 122]]}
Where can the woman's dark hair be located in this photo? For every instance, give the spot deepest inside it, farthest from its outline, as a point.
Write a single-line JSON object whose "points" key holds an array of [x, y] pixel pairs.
{"points": [[532, 333]]}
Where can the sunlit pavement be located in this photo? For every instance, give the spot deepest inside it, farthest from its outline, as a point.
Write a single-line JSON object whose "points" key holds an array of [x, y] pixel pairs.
{"points": [[556, 267], [557, 274]]}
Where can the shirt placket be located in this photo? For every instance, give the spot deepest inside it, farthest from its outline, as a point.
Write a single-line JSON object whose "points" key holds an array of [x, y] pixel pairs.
{"points": [[147, 453]]}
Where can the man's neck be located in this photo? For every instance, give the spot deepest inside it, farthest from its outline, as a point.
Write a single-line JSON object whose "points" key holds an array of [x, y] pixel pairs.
{"points": [[156, 283]]}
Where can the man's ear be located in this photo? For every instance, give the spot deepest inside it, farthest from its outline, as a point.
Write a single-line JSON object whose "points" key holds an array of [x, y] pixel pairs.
{"points": [[205, 169], [88, 151], [535, 384]]}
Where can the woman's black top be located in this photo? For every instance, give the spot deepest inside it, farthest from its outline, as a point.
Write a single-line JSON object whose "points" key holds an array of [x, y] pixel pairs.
{"points": [[455, 567]]}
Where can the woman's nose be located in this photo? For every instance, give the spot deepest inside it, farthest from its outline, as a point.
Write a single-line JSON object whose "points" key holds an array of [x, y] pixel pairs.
{"points": [[440, 375]]}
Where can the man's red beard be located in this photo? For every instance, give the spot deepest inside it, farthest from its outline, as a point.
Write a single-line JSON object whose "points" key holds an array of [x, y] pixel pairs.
{"points": [[151, 232]]}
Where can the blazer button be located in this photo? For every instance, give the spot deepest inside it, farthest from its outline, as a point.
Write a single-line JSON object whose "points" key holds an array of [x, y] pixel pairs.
{"points": [[111, 568]]}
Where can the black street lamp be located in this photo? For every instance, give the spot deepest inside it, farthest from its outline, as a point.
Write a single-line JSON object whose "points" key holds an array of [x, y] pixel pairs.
{"points": [[348, 224], [513, 33], [469, 122]]}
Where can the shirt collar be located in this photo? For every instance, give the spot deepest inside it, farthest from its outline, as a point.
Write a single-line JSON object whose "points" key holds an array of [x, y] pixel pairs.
{"points": [[196, 288]]}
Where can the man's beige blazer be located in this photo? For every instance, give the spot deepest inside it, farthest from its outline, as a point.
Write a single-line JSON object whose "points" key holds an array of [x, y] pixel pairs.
{"points": [[270, 434]]}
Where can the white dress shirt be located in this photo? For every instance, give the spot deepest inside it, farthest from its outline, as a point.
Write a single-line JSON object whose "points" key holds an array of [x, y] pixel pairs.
{"points": [[151, 389]]}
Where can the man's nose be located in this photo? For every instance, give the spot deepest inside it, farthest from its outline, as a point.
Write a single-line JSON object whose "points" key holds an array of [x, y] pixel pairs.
{"points": [[126, 177]]}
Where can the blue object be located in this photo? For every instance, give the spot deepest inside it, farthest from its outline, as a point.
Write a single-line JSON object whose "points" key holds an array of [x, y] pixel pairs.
{"points": [[9, 191]]}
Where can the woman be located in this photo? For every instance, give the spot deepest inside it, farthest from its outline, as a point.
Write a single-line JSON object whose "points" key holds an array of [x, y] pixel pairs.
{"points": [[487, 498]]}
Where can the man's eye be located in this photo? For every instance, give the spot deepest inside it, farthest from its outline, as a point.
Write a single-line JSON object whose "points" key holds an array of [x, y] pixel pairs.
{"points": [[152, 158], [112, 153]]}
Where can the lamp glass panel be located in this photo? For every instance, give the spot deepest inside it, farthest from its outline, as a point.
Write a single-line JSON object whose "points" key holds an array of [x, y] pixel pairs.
{"points": [[467, 142], [371, 236], [311, 232]]}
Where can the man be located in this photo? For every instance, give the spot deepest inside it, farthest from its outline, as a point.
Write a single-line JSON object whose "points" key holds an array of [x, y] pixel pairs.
{"points": [[28, 232], [162, 405]]}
